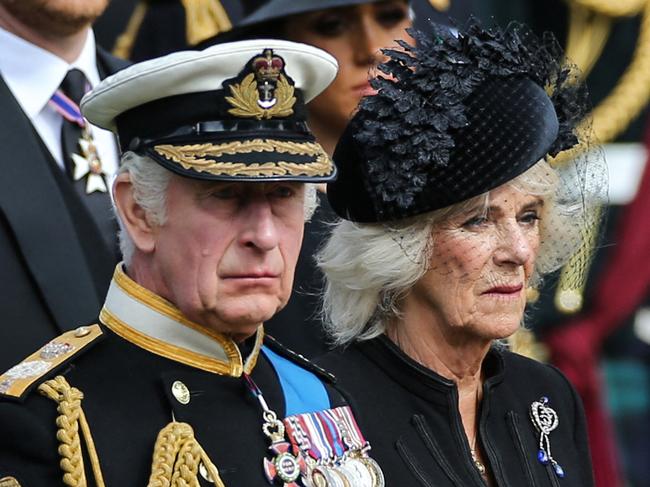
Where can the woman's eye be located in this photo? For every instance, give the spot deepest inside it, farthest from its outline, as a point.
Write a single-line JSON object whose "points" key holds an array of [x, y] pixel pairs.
{"points": [[330, 25], [475, 221], [529, 217], [390, 16]]}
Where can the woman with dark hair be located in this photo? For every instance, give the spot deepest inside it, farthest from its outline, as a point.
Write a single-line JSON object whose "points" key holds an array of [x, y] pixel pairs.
{"points": [[456, 196], [353, 31]]}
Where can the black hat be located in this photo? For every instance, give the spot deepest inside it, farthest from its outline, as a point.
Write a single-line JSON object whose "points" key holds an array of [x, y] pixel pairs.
{"points": [[259, 11], [263, 18], [458, 114], [230, 112]]}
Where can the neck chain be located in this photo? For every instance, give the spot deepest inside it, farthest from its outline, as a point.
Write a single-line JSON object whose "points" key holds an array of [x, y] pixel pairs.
{"points": [[477, 463], [480, 466]]}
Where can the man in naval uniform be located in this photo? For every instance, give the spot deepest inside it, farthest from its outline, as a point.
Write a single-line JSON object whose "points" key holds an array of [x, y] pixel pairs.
{"points": [[176, 384]]}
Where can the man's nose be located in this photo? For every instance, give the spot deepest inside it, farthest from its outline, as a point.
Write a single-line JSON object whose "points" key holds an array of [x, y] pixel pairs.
{"points": [[259, 226]]}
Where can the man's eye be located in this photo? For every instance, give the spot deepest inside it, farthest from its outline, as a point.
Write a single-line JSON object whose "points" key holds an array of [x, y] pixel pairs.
{"points": [[283, 192], [224, 193]]}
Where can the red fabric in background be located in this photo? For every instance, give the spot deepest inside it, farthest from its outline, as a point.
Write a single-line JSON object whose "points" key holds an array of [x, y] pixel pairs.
{"points": [[576, 346]]}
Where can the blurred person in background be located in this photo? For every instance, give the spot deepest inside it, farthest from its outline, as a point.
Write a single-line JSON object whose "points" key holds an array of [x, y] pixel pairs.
{"points": [[57, 234]]}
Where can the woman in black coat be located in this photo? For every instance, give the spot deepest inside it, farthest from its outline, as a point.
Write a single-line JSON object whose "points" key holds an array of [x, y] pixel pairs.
{"points": [[460, 186]]}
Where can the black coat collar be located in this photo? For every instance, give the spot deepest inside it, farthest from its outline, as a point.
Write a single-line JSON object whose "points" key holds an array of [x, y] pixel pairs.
{"points": [[417, 378]]}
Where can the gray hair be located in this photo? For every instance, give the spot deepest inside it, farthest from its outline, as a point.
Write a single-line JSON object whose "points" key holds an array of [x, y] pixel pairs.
{"points": [[369, 268], [150, 181]]}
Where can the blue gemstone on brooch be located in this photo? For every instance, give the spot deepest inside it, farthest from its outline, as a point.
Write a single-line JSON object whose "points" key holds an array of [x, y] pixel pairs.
{"points": [[559, 471], [542, 457]]}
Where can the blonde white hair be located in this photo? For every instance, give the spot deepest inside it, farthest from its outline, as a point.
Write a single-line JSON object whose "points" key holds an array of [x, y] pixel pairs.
{"points": [[369, 268]]}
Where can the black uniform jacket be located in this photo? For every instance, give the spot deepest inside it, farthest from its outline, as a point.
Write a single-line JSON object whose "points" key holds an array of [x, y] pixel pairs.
{"points": [[410, 416], [53, 261], [132, 388]]}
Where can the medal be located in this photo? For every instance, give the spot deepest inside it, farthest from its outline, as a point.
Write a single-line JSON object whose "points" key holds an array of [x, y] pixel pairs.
{"points": [[88, 165], [284, 468], [335, 449], [545, 420], [325, 448]]}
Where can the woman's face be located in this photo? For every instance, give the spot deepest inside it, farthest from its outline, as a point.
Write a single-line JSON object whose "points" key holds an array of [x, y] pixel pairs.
{"points": [[353, 35], [480, 264]]}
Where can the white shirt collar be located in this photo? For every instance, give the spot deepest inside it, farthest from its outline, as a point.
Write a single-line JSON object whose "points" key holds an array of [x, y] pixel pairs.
{"points": [[34, 82]]}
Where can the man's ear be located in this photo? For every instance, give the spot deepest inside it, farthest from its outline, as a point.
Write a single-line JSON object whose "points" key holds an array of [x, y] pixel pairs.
{"points": [[132, 215]]}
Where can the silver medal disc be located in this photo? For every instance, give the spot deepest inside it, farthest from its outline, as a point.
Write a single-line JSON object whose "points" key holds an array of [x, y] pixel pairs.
{"points": [[323, 476], [375, 471], [357, 473]]}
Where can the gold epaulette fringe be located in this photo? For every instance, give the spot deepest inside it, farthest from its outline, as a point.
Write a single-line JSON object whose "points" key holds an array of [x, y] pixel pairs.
{"points": [[71, 418], [178, 457]]}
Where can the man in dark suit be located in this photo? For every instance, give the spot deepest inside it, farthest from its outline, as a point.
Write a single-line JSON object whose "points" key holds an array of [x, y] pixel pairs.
{"points": [[57, 244]]}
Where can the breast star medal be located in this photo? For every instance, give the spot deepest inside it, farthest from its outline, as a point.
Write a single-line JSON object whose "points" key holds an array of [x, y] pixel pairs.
{"points": [[545, 420], [88, 165]]}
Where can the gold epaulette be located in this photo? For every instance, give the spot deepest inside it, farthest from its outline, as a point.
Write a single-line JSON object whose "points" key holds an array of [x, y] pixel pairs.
{"points": [[20, 379]]}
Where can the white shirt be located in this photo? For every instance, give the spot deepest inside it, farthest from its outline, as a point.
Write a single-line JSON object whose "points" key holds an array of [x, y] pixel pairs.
{"points": [[34, 74]]}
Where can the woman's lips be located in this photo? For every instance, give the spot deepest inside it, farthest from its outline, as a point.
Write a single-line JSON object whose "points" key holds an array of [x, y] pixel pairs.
{"points": [[364, 89], [505, 290]]}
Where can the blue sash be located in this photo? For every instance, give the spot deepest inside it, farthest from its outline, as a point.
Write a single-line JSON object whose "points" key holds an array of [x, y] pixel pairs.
{"points": [[303, 391]]}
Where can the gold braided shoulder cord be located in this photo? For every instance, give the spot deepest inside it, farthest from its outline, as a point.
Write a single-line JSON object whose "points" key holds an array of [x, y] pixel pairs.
{"points": [[177, 458], [609, 119], [204, 19], [125, 41], [588, 34], [71, 418], [613, 8], [632, 92]]}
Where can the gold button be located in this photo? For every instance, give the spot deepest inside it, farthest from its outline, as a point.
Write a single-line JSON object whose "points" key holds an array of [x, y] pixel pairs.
{"points": [[82, 331], [181, 392]]}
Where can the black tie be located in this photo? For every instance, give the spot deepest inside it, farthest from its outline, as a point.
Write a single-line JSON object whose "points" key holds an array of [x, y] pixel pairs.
{"points": [[74, 87]]}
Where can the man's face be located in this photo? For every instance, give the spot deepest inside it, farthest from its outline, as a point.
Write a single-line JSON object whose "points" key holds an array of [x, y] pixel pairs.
{"points": [[226, 254], [54, 17]]}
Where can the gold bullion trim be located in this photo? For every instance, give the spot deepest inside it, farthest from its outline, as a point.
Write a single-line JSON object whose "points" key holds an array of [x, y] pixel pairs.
{"points": [[245, 97], [195, 157], [75, 340]]}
